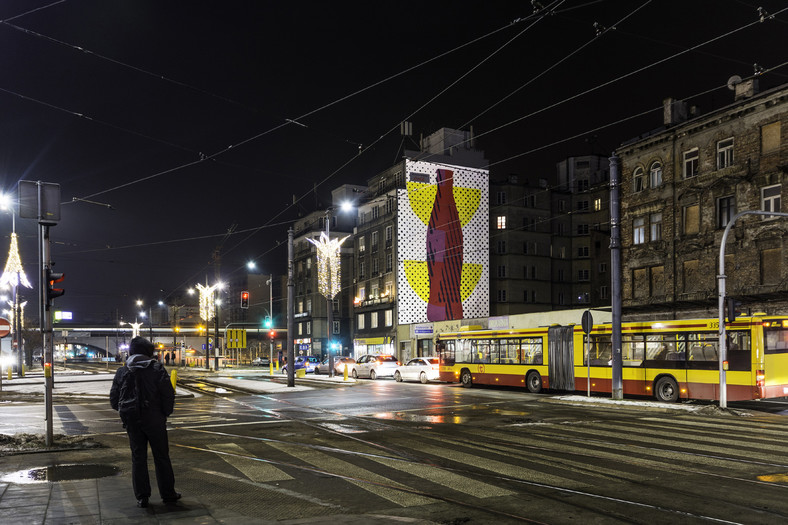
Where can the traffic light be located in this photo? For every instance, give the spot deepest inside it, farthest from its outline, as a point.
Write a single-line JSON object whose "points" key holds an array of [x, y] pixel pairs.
{"points": [[52, 292], [267, 323], [732, 309], [272, 334], [244, 299]]}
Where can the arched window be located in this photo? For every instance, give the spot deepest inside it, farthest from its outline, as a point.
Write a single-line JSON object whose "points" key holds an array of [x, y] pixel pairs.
{"points": [[655, 174], [638, 179]]}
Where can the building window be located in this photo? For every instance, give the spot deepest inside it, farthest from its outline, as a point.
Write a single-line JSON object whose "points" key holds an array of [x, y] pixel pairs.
{"points": [[525, 248], [375, 237], [582, 251], [533, 296], [726, 209], [561, 298], [390, 201], [373, 319], [389, 317], [770, 138], [639, 230], [300, 328], [309, 306], [501, 296], [597, 204], [691, 163], [501, 245], [692, 277], [389, 289], [374, 291], [770, 198], [335, 327], [308, 325], [362, 293], [361, 270], [361, 244], [561, 205], [389, 232], [691, 219], [389, 262], [500, 197], [770, 266], [501, 222], [582, 184], [656, 226], [638, 179], [602, 267], [502, 271], [582, 229], [582, 205], [533, 272], [655, 174], [582, 275], [560, 275], [360, 321], [562, 252], [604, 293], [376, 211], [725, 153]]}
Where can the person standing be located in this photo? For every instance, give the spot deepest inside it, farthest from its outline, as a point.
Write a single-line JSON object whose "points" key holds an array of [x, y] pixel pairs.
{"points": [[144, 397]]}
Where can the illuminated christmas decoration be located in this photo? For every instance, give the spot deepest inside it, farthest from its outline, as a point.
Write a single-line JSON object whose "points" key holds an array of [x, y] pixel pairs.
{"points": [[207, 302], [14, 275], [328, 265], [10, 314], [135, 329]]}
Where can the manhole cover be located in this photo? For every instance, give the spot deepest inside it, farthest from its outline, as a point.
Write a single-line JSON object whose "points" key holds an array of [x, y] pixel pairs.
{"points": [[61, 473]]}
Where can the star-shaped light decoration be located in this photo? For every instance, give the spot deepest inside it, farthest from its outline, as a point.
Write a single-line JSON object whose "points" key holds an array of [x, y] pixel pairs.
{"points": [[328, 281], [207, 302], [14, 275]]}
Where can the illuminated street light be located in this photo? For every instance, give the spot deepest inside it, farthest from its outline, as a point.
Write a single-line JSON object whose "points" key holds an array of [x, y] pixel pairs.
{"points": [[208, 304]]}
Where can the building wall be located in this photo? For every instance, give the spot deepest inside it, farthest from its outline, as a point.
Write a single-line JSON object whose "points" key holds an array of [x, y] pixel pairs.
{"points": [[675, 275]]}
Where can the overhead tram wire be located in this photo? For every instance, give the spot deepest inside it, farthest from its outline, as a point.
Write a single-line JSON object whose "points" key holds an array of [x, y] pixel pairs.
{"points": [[311, 112], [544, 12]]}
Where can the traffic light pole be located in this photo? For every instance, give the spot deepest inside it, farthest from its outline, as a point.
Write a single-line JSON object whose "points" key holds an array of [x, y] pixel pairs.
{"points": [[723, 357], [45, 319]]}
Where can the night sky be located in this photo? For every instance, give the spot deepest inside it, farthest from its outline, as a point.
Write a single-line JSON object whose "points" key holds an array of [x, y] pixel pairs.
{"points": [[168, 122]]}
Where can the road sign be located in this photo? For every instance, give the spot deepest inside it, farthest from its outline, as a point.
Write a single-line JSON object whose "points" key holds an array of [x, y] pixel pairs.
{"points": [[5, 327], [236, 338], [588, 322]]}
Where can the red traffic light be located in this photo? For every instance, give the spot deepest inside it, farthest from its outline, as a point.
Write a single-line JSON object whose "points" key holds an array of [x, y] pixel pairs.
{"points": [[244, 299], [272, 334], [52, 278]]}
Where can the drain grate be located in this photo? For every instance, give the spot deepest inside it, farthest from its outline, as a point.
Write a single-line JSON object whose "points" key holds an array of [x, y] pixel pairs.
{"points": [[61, 473]]}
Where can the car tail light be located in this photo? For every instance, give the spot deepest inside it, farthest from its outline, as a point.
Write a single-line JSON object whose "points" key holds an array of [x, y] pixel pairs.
{"points": [[760, 378]]}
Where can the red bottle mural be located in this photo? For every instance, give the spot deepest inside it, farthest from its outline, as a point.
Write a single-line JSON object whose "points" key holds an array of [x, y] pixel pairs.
{"points": [[444, 252]]}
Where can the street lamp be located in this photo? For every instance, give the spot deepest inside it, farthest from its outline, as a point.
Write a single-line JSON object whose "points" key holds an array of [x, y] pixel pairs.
{"points": [[150, 318]]}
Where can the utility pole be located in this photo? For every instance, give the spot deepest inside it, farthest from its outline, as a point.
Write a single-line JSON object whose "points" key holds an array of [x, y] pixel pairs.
{"points": [[290, 311], [615, 284]]}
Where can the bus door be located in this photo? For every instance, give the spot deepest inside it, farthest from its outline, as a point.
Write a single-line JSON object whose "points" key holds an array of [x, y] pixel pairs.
{"points": [[561, 371]]}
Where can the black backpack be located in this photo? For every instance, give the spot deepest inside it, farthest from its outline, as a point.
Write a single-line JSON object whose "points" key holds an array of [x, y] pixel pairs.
{"points": [[132, 400]]}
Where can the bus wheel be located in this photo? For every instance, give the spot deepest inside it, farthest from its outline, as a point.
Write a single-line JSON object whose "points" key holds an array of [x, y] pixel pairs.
{"points": [[534, 382], [465, 378], [666, 390]]}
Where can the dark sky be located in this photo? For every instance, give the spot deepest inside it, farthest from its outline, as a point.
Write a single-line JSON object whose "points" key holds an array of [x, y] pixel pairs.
{"points": [[181, 115]]}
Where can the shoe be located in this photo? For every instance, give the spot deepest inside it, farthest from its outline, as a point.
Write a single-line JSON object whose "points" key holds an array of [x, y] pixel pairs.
{"points": [[173, 499], [142, 502]]}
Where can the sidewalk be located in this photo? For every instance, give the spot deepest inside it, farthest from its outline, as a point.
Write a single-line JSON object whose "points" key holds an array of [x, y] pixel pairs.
{"points": [[47, 487]]}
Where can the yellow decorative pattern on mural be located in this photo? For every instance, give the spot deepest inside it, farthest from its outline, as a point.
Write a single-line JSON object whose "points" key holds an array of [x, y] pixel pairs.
{"points": [[418, 279], [422, 197]]}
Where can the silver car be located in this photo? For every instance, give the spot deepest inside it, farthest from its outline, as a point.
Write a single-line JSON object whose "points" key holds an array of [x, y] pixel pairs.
{"points": [[374, 366], [419, 369]]}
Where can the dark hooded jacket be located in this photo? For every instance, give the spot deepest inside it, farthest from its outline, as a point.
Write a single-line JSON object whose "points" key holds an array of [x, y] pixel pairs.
{"points": [[154, 380]]}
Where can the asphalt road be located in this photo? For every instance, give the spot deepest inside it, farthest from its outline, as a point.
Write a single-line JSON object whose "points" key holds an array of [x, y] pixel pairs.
{"points": [[452, 455]]}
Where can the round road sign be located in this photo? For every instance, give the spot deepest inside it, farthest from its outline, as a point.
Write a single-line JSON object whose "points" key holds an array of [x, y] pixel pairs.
{"points": [[5, 327]]}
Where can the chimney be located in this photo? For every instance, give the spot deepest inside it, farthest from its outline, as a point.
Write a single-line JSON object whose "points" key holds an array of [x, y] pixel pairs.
{"points": [[673, 111], [746, 89]]}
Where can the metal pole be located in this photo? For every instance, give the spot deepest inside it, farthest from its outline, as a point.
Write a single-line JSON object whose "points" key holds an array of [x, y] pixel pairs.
{"points": [[329, 308], [721, 301], [271, 316], [290, 311], [46, 330], [617, 389], [215, 332]]}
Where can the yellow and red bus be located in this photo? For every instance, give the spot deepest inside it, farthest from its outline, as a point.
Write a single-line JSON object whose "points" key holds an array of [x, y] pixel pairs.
{"points": [[670, 360]]}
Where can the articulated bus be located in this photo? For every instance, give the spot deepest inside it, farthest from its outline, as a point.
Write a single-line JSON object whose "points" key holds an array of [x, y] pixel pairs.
{"points": [[670, 360]]}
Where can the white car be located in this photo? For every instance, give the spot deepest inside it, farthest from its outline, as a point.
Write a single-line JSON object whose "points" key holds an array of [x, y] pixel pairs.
{"points": [[374, 366], [419, 369]]}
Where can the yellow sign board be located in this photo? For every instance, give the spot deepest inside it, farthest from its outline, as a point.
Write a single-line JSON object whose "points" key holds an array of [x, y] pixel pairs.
{"points": [[236, 338]]}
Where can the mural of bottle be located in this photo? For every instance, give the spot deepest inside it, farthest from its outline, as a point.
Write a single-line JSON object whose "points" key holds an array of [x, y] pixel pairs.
{"points": [[444, 252]]}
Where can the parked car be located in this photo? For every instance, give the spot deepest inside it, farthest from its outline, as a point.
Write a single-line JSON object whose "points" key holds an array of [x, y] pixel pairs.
{"points": [[307, 362], [374, 366], [261, 361], [339, 365], [419, 368]]}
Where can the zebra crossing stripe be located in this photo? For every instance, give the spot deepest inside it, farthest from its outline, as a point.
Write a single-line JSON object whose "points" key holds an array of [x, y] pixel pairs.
{"points": [[254, 470]]}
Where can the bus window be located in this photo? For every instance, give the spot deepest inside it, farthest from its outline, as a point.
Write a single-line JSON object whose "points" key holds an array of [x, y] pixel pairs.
{"points": [[739, 351], [481, 351], [632, 349], [495, 352], [532, 351], [509, 350], [776, 340], [446, 352], [703, 350], [601, 351], [464, 351]]}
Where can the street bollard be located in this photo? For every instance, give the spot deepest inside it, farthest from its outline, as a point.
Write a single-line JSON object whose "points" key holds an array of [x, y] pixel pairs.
{"points": [[10, 373], [270, 368], [344, 376], [174, 378]]}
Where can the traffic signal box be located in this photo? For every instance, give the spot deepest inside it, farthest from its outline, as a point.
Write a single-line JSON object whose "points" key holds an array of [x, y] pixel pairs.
{"points": [[244, 299], [52, 292]]}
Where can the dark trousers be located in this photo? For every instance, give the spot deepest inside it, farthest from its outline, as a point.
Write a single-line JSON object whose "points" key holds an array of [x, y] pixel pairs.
{"points": [[155, 433]]}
